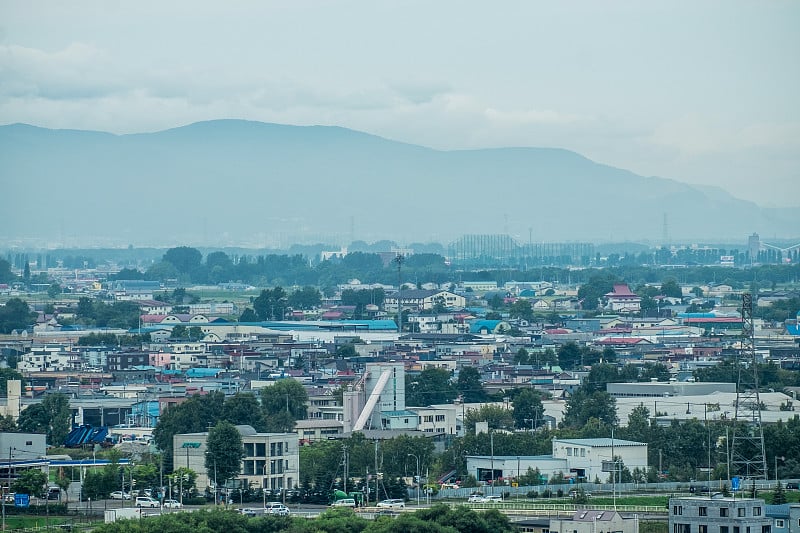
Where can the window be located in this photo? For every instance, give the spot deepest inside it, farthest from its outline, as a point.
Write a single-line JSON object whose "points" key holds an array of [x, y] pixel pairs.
{"points": [[735, 529], [569, 452], [756, 511], [766, 529], [702, 511], [583, 452], [723, 511], [740, 512], [780, 523], [440, 418], [677, 510], [723, 529], [428, 418], [702, 529]]}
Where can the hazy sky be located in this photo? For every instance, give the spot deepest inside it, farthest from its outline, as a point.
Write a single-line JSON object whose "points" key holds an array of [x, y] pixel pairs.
{"points": [[703, 92]]}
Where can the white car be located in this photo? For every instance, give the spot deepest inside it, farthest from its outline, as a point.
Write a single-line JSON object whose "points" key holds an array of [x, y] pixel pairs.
{"points": [[493, 499], [144, 501], [119, 495], [172, 504], [277, 508], [475, 498], [344, 502], [392, 504]]}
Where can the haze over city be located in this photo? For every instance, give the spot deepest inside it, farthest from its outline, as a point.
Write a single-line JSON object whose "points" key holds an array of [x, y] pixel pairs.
{"points": [[703, 94]]}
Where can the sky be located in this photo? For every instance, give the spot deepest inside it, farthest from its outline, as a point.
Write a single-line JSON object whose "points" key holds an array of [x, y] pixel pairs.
{"points": [[704, 92]]}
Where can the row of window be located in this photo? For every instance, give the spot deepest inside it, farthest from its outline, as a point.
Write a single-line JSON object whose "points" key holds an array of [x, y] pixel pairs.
{"points": [[574, 451], [723, 511], [703, 528], [259, 449]]}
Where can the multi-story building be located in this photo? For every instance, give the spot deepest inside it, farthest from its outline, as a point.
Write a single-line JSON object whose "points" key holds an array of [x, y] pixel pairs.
{"points": [[270, 461], [718, 514]]}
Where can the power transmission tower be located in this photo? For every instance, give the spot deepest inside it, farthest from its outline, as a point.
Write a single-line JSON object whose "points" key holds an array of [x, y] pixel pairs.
{"points": [[747, 450]]}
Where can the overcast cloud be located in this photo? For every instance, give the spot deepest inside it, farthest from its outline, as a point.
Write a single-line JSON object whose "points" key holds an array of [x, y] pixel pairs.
{"points": [[703, 92]]}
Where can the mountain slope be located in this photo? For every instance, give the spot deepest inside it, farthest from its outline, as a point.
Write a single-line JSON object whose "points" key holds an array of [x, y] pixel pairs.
{"points": [[231, 181]]}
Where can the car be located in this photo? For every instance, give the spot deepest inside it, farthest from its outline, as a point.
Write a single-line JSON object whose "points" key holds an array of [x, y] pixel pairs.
{"points": [[344, 502], [119, 495], [392, 504], [276, 508], [493, 499], [475, 497], [449, 486], [145, 501], [172, 504], [792, 486], [700, 489]]}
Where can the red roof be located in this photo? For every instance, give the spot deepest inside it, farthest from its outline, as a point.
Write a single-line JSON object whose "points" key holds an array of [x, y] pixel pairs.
{"points": [[621, 289]]}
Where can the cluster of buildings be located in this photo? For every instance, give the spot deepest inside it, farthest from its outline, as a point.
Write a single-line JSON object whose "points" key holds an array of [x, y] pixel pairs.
{"points": [[443, 328]]}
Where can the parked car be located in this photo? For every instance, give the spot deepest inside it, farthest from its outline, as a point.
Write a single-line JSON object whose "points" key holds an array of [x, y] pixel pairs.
{"points": [[792, 486], [492, 499], [392, 504], [145, 501], [172, 504], [344, 502], [277, 508], [475, 497], [119, 495], [699, 489]]}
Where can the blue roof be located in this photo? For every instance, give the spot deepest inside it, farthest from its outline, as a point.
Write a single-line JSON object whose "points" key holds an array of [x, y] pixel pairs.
{"points": [[478, 325], [793, 329], [203, 372]]}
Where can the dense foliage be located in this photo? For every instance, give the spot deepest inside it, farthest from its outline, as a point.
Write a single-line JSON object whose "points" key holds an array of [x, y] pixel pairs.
{"points": [[437, 519]]}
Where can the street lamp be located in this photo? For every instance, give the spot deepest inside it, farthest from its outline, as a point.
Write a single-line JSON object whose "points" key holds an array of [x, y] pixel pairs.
{"points": [[419, 479]]}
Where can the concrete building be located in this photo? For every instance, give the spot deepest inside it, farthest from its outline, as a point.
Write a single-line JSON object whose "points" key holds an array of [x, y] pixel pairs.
{"points": [[271, 460], [590, 521], [718, 514], [589, 459]]}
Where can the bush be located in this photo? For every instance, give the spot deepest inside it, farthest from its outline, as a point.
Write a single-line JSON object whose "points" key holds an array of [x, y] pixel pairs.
{"points": [[532, 494], [547, 493], [560, 493]]}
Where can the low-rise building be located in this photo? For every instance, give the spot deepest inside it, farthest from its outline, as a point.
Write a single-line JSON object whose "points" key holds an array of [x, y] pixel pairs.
{"points": [[718, 514], [591, 521]]}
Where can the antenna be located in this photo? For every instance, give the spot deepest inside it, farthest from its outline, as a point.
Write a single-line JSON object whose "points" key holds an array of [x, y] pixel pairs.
{"points": [[748, 459]]}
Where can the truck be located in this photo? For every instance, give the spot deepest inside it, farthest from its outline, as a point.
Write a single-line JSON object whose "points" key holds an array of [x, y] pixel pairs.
{"points": [[127, 513]]}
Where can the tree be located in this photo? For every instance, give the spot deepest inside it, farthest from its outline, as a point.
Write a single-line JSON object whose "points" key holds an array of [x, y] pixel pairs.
{"points": [[192, 416], [53, 290], [528, 409], [224, 452], [243, 408], [430, 386], [595, 289], [569, 355], [32, 482], [469, 385], [521, 308], [521, 357], [779, 495], [179, 332], [51, 416], [184, 258], [5, 375], [283, 403], [497, 417], [583, 406], [6, 276], [248, 315], [15, 315], [305, 298], [671, 288], [270, 304], [8, 424], [195, 333]]}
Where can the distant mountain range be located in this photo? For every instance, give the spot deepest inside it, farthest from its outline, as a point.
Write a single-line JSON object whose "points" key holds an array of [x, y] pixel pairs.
{"points": [[234, 182]]}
